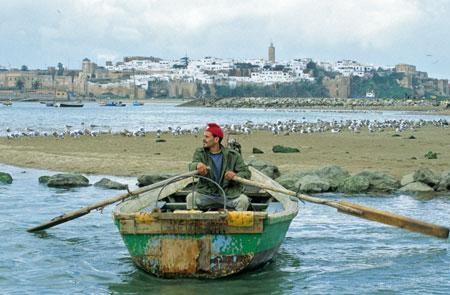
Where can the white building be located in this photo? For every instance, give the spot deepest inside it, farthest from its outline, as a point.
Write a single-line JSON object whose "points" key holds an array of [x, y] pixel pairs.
{"points": [[210, 70], [352, 68], [143, 66], [211, 64], [270, 77], [255, 62]]}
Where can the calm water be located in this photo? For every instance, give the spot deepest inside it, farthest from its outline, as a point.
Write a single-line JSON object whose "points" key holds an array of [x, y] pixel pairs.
{"points": [[153, 116], [325, 252]]}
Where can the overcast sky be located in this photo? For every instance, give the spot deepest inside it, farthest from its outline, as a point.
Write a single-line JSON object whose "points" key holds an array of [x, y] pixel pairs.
{"points": [[380, 32]]}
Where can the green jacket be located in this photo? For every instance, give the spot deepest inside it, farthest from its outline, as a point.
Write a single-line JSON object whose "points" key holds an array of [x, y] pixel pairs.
{"points": [[232, 161]]}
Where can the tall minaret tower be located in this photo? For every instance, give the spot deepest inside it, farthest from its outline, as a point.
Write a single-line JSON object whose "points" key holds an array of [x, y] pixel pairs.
{"points": [[271, 53]]}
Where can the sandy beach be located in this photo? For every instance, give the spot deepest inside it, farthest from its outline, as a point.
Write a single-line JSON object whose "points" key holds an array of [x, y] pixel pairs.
{"points": [[131, 156]]}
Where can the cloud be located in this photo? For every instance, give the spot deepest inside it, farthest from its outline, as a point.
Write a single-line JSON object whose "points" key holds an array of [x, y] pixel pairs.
{"points": [[357, 22], [323, 22], [384, 29]]}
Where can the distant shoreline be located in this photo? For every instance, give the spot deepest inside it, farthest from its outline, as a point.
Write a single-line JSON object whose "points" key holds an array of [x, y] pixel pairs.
{"points": [[98, 100], [234, 103]]}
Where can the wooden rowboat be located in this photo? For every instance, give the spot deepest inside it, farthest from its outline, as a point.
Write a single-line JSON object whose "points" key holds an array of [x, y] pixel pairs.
{"points": [[165, 239]]}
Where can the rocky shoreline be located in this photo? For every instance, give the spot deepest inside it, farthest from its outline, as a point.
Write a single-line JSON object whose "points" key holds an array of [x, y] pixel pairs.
{"points": [[323, 180], [337, 179]]}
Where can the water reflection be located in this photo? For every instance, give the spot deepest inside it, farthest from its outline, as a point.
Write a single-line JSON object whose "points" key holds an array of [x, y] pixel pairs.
{"points": [[270, 277]]}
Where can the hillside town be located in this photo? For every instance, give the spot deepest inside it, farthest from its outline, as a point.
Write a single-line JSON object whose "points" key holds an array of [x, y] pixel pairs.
{"points": [[141, 77]]}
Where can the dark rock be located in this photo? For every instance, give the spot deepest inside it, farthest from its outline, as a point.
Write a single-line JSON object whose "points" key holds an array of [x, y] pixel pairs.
{"points": [[355, 184], [265, 167], [412, 137], [289, 180], [5, 178], [407, 179], [334, 175], [160, 140], [416, 187], [444, 184], [312, 184], [426, 176], [148, 179], [284, 149], [67, 180], [110, 184], [44, 179], [396, 135], [430, 155], [257, 151], [380, 182]]}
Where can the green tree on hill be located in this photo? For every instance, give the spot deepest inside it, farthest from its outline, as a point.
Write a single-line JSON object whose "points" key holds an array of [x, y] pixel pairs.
{"points": [[296, 89], [383, 83], [20, 84], [36, 84], [60, 70], [318, 72]]}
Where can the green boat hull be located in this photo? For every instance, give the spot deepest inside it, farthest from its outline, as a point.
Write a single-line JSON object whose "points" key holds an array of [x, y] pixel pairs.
{"points": [[191, 243], [206, 255]]}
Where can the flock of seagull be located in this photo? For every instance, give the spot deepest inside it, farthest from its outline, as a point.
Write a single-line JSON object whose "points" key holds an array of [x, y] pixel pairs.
{"points": [[355, 126], [277, 128]]}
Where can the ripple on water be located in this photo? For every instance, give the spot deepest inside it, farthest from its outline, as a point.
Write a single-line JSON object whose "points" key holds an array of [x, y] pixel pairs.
{"points": [[324, 251]]}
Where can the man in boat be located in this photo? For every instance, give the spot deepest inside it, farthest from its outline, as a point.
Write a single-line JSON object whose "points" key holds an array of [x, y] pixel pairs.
{"points": [[220, 164]]}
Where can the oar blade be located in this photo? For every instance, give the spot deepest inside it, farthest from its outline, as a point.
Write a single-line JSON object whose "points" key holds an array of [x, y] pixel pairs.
{"points": [[395, 220], [102, 203]]}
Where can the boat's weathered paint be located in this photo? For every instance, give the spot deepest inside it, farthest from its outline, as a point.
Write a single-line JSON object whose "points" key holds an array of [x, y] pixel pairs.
{"points": [[202, 244], [205, 255]]}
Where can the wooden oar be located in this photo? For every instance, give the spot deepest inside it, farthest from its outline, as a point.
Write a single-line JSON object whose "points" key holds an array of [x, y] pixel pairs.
{"points": [[362, 211], [105, 202]]}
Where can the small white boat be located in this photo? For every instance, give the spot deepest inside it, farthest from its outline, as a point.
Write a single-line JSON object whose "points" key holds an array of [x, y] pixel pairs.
{"points": [[7, 103]]}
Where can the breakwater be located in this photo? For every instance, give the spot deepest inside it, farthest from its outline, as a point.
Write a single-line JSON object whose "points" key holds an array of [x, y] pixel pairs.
{"points": [[324, 103]]}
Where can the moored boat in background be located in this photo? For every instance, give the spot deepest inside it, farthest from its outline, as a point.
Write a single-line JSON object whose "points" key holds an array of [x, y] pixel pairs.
{"points": [[71, 105], [7, 103], [112, 104]]}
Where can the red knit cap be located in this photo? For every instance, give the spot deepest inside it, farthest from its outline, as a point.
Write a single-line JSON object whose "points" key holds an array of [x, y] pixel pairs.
{"points": [[215, 130]]}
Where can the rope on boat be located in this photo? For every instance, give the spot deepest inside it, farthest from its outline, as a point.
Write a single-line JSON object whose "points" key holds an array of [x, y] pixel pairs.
{"points": [[225, 199], [297, 193], [130, 193]]}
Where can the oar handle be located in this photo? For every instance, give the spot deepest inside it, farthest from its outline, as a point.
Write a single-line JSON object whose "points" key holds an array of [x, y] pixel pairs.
{"points": [[303, 197], [361, 211], [283, 191], [103, 203]]}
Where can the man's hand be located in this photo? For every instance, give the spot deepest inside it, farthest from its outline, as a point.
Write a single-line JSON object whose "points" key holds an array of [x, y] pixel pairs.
{"points": [[202, 169], [229, 175]]}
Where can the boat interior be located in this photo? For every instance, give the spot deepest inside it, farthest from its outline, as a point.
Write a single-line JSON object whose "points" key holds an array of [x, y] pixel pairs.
{"points": [[259, 201], [171, 198]]}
